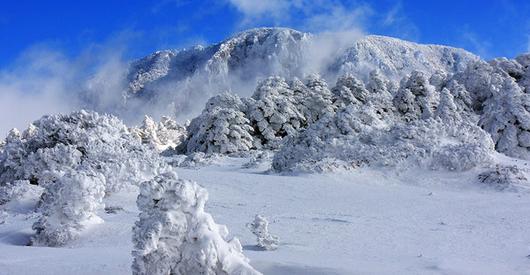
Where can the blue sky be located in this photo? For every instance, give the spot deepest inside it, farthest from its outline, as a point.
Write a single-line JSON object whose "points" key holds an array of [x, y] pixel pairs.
{"points": [[488, 28]]}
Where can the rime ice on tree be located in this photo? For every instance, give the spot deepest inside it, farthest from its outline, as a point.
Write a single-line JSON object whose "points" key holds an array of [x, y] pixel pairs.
{"points": [[260, 228], [175, 236]]}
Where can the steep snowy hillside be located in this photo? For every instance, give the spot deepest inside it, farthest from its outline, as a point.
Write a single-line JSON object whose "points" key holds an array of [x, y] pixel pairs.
{"points": [[180, 81], [396, 58]]}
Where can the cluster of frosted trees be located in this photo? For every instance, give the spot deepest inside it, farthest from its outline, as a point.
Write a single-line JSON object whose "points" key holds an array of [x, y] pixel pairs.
{"points": [[438, 121]]}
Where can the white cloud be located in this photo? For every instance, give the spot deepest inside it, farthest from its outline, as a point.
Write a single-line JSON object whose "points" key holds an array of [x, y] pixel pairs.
{"points": [[308, 15], [44, 81], [476, 44], [255, 9]]}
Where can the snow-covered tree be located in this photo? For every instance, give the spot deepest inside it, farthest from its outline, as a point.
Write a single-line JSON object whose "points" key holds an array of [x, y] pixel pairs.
{"points": [[349, 90], [175, 236], [77, 159], [461, 97], [317, 100], [167, 134], [447, 110], [415, 97], [356, 136], [221, 128], [68, 205], [99, 142], [506, 117], [274, 112], [260, 228]]}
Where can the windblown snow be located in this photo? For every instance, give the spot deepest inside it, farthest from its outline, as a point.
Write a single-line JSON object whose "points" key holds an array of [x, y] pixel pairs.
{"points": [[385, 157]]}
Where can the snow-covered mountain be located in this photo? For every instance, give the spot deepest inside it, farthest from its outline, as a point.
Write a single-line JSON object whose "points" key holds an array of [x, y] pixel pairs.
{"points": [[415, 160], [396, 58], [181, 81]]}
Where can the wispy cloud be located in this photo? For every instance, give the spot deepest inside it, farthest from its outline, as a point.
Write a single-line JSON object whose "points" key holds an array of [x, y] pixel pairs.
{"points": [[44, 80], [256, 10], [396, 21], [309, 15], [476, 44]]}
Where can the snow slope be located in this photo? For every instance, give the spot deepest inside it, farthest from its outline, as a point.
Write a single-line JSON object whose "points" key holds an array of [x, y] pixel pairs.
{"points": [[361, 222]]}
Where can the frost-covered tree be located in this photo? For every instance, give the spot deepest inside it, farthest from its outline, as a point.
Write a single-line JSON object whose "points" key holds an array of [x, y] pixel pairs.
{"points": [[349, 90], [356, 136], [317, 100], [461, 97], [175, 236], [68, 205], [415, 97], [506, 117], [274, 112], [166, 134], [99, 142], [260, 228], [447, 110], [220, 129], [77, 159]]}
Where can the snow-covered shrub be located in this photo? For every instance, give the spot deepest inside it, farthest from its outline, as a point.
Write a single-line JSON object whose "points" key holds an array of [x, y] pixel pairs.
{"points": [[197, 159], [12, 191], [167, 134], [356, 136], [506, 117], [175, 236], [260, 228], [77, 159], [68, 204], [274, 111], [257, 158], [349, 90], [101, 143], [220, 129], [317, 100], [415, 97], [503, 177]]}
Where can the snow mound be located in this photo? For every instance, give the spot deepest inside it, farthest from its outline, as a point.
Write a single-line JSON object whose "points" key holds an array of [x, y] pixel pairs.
{"points": [[175, 236]]}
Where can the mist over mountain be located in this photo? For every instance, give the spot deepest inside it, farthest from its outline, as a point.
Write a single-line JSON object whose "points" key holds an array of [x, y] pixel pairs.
{"points": [[178, 82]]}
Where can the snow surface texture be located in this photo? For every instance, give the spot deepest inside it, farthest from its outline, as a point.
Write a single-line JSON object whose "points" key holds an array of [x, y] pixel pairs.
{"points": [[260, 228], [175, 236], [365, 221]]}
